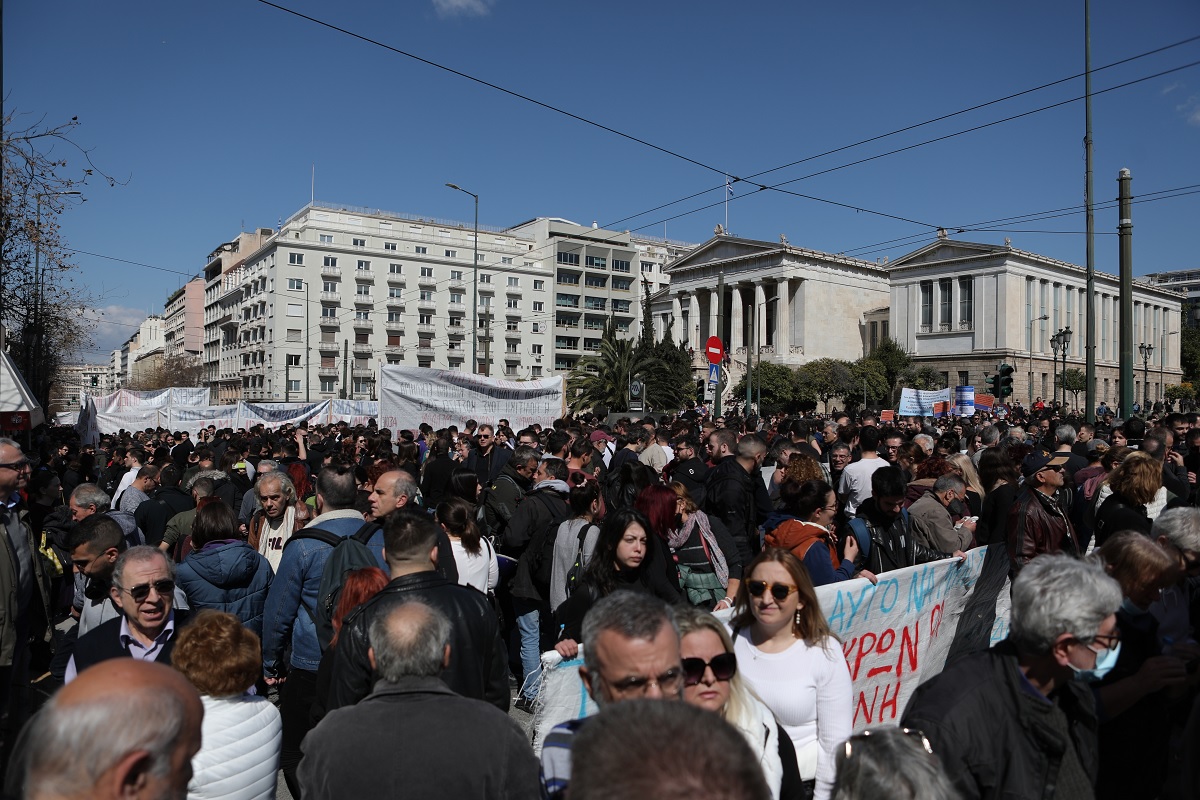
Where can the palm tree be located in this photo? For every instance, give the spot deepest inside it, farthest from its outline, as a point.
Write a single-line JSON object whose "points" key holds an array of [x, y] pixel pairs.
{"points": [[603, 379]]}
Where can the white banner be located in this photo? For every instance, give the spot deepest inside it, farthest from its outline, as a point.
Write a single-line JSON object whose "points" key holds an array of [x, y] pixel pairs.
{"points": [[275, 414], [354, 412], [895, 635], [412, 395], [919, 403], [193, 418]]}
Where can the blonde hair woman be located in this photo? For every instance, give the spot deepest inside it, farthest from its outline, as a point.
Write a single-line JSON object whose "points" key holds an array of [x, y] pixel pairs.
{"points": [[1135, 486]]}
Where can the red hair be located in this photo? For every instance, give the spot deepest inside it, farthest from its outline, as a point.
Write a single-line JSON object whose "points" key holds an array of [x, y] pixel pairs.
{"points": [[299, 477], [360, 586], [657, 503]]}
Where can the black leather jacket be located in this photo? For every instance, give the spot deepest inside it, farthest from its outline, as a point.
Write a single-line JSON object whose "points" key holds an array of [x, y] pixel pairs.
{"points": [[892, 543], [478, 661]]}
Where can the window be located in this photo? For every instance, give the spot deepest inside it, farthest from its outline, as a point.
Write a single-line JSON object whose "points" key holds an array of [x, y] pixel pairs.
{"points": [[395, 316], [328, 337], [539, 286], [329, 286], [362, 315], [485, 278], [394, 292], [647, 266], [511, 347], [456, 297], [571, 259], [426, 296], [328, 384], [451, 254], [393, 340], [326, 238], [329, 312], [480, 257], [362, 338], [945, 287], [330, 261], [456, 275], [294, 335], [395, 269], [389, 245], [364, 386], [424, 319], [363, 290], [296, 284], [539, 306], [358, 242], [455, 322], [505, 260], [514, 303], [514, 282], [537, 372], [536, 349], [596, 281], [963, 378], [293, 385], [596, 262], [421, 250], [364, 266], [295, 258], [511, 325], [426, 272], [620, 266], [966, 303], [486, 301], [926, 306], [622, 284], [295, 309]]}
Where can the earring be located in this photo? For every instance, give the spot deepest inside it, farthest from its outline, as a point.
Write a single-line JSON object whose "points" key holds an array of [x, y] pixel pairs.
{"points": [[797, 618]]}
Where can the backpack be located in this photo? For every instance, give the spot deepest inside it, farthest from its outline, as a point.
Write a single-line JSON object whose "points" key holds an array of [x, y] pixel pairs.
{"points": [[575, 573], [863, 535], [349, 553], [487, 504], [540, 552]]}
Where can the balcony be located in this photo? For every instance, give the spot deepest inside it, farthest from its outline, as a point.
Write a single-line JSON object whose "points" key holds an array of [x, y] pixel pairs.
{"points": [[329, 347], [362, 349], [486, 288], [456, 330], [364, 300], [394, 327], [396, 280], [425, 352], [328, 372], [459, 307], [330, 322], [512, 356], [333, 296], [395, 303], [512, 334], [427, 303], [512, 290], [427, 282], [331, 271], [485, 311], [429, 329], [457, 283], [363, 324], [360, 372]]}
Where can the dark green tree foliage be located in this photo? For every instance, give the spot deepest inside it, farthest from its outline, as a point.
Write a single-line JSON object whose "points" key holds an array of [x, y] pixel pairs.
{"points": [[1189, 353], [603, 379], [825, 379], [895, 362], [777, 384], [923, 379], [869, 375], [1074, 381]]}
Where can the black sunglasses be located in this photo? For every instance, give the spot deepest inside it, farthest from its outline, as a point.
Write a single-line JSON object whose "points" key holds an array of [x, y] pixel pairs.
{"points": [[780, 591], [139, 593], [724, 667]]}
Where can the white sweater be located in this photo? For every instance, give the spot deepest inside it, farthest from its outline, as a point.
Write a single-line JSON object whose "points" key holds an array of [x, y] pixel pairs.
{"points": [[239, 756], [808, 689]]}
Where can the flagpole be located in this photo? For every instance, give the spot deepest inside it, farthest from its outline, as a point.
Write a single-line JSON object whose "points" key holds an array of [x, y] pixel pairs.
{"points": [[728, 189]]}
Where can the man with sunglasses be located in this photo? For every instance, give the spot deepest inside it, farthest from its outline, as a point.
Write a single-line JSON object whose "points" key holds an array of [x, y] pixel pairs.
{"points": [[1038, 522], [486, 459], [630, 652], [143, 589], [1019, 720]]}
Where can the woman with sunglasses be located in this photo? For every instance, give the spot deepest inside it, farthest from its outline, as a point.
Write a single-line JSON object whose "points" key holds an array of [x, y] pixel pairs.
{"points": [[793, 662], [711, 682], [618, 563], [805, 528]]}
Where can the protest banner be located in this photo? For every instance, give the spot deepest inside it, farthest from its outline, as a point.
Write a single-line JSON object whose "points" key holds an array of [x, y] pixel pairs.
{"points": [[275, 414], [919, 403], [412, 395], [895, 635]]}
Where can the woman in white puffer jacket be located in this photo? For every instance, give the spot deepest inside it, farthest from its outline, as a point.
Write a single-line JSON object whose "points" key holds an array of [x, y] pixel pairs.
{"points": [[242, 733]]}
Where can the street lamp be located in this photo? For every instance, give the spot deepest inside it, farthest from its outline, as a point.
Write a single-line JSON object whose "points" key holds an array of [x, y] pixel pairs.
{"points": [[1162, 358], [1146, 350], [34, 350], [1035, 319], [1065, 335], [474, 284], [1056, 344]]}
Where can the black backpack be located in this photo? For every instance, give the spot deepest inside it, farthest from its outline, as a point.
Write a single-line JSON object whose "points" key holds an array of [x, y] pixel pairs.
{"points": [[486, 508], [575, 573], [349, 553], [540, 552]]}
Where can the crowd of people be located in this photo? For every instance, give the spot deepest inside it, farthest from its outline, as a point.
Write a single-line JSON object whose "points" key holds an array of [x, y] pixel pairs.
{"points": [[358, 609]]}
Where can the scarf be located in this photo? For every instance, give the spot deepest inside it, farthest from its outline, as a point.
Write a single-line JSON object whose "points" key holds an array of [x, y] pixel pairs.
{"points": [[680, 537]]}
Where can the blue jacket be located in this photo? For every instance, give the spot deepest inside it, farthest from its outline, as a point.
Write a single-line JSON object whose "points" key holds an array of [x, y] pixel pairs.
{"points": [[228, 576], [297, 583]]}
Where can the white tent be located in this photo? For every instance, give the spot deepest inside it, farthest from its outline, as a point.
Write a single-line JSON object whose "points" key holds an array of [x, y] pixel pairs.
{"points": [[15, 395]]}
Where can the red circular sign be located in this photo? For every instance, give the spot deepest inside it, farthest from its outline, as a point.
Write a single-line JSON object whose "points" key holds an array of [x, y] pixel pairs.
{"points": [[714, 350]]}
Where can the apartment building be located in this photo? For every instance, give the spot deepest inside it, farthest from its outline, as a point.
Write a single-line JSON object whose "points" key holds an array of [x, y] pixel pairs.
{"points": [[183, 321]]}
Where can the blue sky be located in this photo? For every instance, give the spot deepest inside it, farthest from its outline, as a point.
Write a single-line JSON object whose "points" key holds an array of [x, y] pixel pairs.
{"points": [[216, 112]]}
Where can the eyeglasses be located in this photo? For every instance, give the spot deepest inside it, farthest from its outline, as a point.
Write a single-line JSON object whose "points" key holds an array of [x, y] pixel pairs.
{"points": [[668, 683], [906, 731], [18, 466], [723, 666], [1108, 640], [780, 591], [139, 593]]}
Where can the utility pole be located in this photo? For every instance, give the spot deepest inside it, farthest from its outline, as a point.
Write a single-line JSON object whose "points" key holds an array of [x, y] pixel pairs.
{"points": [[345, 368], [720, 330], [307, 345], [487, 344], [1125, 236], [749, 356], [1090, 333]]}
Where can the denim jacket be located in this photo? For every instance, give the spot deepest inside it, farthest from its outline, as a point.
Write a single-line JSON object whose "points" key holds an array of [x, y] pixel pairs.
{"points": [[297, 581]]}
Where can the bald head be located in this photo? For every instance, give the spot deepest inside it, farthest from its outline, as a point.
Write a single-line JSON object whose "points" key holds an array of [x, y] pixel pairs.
{"points": [[123, 728], [393, 489]]}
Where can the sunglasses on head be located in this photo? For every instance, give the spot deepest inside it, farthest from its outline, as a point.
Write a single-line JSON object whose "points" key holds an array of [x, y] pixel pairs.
{"points": [[724, 667], [139, 593], [780, 591]]}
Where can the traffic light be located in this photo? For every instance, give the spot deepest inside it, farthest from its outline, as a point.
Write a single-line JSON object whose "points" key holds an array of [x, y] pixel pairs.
{"points": [[1004, 380]]}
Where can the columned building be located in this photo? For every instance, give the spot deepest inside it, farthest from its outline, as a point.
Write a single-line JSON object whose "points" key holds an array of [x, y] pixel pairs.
{"points": [[789, 304], [963, 308]]}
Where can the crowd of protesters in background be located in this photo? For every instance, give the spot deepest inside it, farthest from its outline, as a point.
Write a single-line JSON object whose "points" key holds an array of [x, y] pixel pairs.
{"points": [[357, 608]]}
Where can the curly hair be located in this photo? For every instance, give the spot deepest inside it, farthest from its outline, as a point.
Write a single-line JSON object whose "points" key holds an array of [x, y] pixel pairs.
{"points": [[219, 655], [803, 467]]}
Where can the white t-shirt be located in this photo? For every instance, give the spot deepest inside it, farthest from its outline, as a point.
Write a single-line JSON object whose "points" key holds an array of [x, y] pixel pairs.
{"points": [[855, 485], [808, 689], [481, 569]]}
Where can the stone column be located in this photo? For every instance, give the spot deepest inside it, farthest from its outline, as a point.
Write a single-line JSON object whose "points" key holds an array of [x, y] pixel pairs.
{"points": [[760, 310], [693, 331], [737, 325], [783, 322], [677, 331], [714, 304]]}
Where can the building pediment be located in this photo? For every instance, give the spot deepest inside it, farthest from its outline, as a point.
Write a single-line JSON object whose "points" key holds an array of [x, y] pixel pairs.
{"points": [[946, 251], [721, 248]]}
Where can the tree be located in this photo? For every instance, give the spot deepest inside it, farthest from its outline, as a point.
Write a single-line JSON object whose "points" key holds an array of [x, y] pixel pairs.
{"points": [[775, 383], [1181, 391], [603, 379], [40, 301], [674, 384], [825, 379], [1189, 353], [1074, 381], [181, 371], [868, 375], [895, 362], [923, 379]]}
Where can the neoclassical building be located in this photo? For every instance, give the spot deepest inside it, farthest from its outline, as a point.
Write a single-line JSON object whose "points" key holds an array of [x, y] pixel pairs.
{"points": [[960, 307]]}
